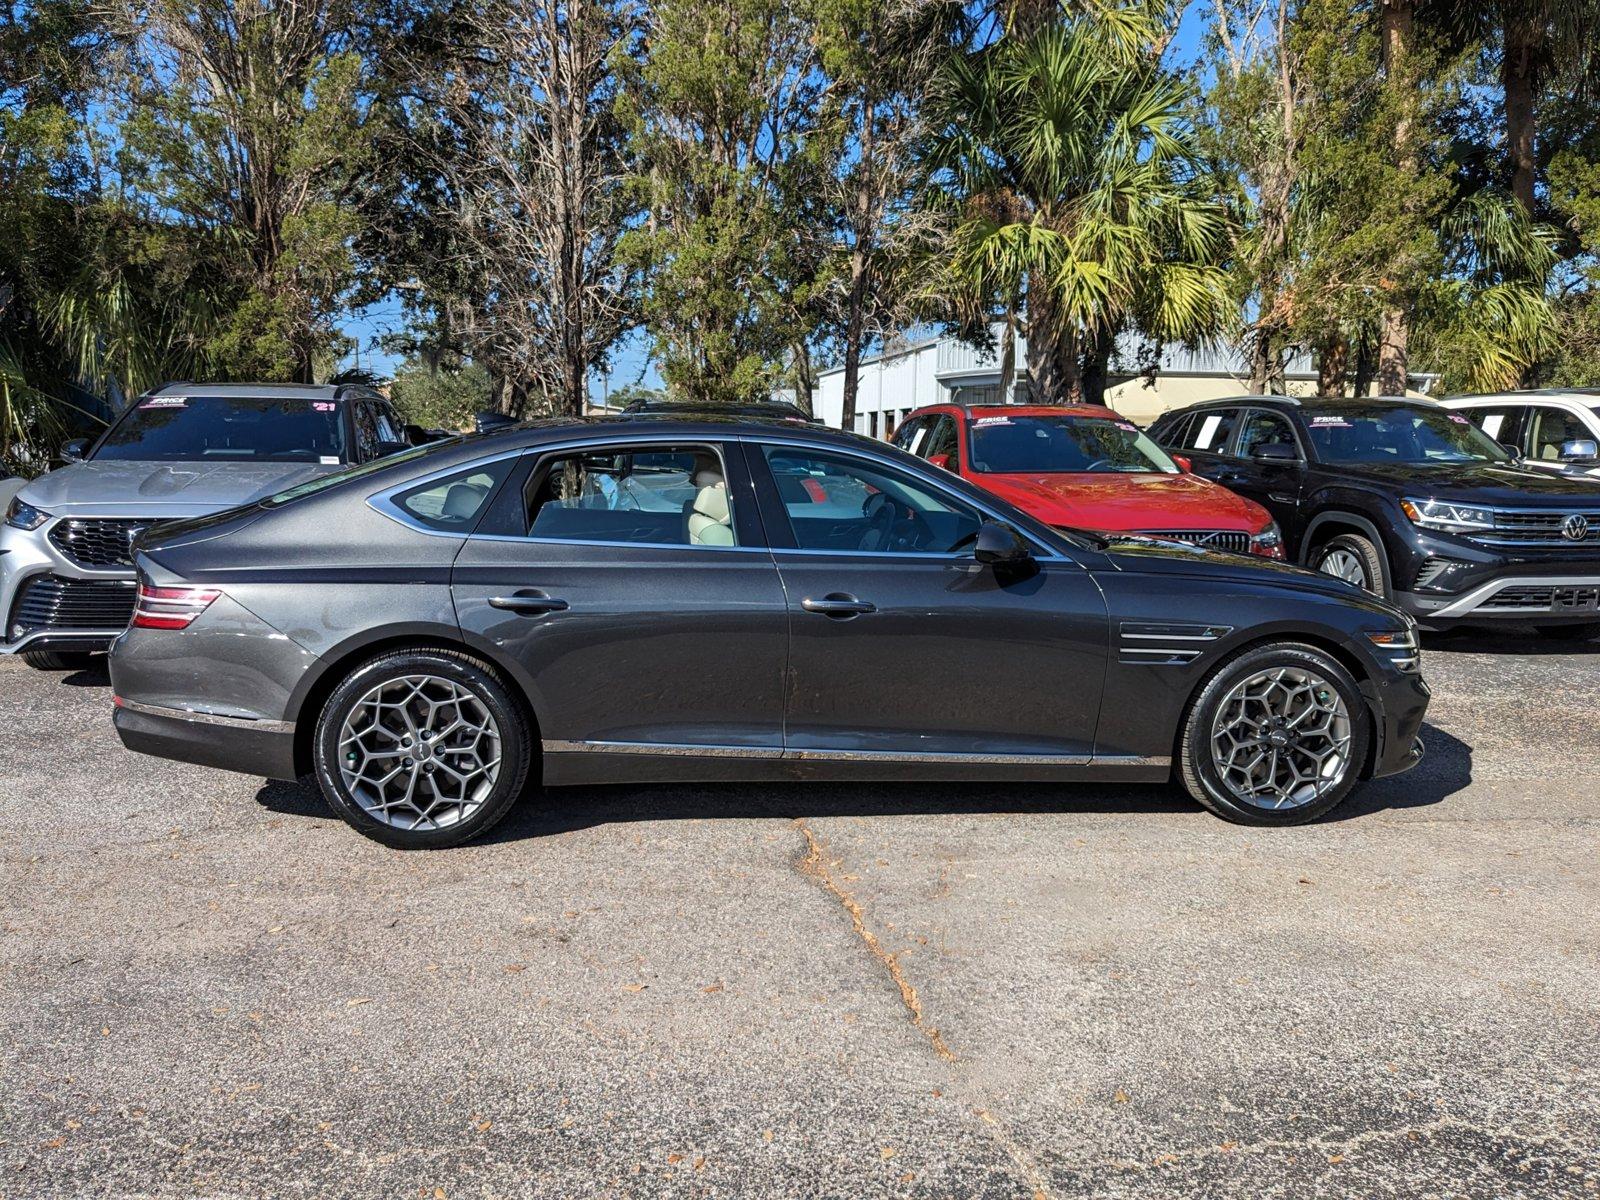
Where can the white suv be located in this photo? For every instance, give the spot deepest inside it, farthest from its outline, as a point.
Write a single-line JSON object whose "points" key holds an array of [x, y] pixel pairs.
{"points": [[1557, 429]]}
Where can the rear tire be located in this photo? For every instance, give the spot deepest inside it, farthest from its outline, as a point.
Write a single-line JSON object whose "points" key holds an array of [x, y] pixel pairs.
{"points": [[422, 749], [1569, 633], [1353, 558], [1289, 690], [57, 660]]}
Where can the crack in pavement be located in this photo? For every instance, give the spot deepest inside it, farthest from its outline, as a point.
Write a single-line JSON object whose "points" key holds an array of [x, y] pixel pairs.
{"points": [[816, 866]]}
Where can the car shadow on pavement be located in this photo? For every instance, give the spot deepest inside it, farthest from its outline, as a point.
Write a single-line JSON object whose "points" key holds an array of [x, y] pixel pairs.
{"points": [[1446, 770], [1516, 639], [96, 674]]}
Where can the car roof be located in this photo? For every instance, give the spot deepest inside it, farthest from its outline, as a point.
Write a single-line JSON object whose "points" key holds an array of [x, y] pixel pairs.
{"points": [[255, 391], [978, 411], [1581, 395], [692, 425], [754, 408], [1325, 403]]}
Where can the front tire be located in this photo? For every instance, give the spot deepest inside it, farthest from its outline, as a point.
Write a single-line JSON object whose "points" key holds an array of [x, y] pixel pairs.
{"points": [[1354, 559], [1277, 735], [422, 749], [57, 660]]}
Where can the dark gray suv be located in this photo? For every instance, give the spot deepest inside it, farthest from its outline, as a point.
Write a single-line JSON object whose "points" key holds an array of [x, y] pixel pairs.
{"points": [[735, 599]]}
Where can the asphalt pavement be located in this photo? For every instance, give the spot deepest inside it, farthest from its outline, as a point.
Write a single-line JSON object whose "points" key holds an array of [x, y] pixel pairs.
{"points": [[210, 986]]}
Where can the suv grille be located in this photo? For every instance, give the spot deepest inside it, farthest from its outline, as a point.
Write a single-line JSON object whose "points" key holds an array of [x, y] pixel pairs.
{"points": [[1539, 528], [97, 542], [51, 602], [1235, 540]]}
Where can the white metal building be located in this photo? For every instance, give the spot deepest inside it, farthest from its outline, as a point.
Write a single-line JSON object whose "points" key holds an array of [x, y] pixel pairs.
{"points": [[940, 370]]}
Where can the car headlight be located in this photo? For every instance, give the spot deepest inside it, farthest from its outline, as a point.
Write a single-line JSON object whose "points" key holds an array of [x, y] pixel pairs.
{"points": [[1447, 517], [1268, 542], [24, 516], [1402, 647]]}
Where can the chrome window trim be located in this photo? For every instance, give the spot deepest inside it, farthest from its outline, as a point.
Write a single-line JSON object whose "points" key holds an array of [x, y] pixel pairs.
{"points": [[925, 476]]}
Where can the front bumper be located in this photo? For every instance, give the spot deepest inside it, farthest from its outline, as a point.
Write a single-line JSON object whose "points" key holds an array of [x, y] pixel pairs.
{"points": [[49, 602], [208, 739], [1486, 584], [1398, 708]]}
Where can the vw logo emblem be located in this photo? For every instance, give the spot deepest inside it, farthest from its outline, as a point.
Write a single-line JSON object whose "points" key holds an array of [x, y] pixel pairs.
{"points": [[1575, 528]]}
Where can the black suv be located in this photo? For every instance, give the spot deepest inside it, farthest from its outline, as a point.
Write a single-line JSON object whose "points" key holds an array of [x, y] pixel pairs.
{"points": [[1408, 500]]}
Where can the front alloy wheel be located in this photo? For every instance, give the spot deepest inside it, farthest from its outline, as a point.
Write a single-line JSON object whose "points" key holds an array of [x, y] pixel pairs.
{"points": [[422, 749], [1276, 736]]}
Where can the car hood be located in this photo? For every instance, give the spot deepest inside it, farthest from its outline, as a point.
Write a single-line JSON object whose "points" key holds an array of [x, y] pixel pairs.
{"points": [[111, 488], [1152, 555], [1477, 483], [1120, 503]]}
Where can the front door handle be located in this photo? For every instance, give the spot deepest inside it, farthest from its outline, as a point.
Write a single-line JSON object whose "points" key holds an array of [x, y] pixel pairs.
{"points": [[529, 603], [839, 605]]}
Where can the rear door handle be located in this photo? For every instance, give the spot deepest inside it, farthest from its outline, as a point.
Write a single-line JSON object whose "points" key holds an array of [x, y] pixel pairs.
{"points": [[840, 605], [529, 603]]}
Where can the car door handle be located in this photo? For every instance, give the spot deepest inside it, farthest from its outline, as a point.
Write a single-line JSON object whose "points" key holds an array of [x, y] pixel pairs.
{"points": [[529, 603], [838, 605]]}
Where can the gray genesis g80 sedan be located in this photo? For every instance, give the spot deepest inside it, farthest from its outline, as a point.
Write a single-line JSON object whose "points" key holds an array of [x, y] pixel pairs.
{"points": [[676, 597]]}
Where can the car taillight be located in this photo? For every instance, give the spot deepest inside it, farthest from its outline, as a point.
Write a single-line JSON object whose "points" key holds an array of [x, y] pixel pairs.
{"points": [[170, 607]]}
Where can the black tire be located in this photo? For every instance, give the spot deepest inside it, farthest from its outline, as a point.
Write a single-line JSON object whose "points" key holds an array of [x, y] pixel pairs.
{"points": [[1569, 633], [1375, 574], [467, 673], [58, 660], [1197, 765]]}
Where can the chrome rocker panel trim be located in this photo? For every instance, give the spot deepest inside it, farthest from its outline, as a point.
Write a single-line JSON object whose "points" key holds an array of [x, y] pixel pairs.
{"points": [[803, 754], [201, 717]]}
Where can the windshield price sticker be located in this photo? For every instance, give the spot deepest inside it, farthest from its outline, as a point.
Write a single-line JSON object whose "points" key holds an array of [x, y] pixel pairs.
{"points": [[165, 402], [993, 421], [329, 460], [324, 405], [1331, 422], [1458, 419], [1128, 425]]}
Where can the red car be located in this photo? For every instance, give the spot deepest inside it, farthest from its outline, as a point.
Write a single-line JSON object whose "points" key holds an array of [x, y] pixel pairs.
{"points": [[1085, 467]]}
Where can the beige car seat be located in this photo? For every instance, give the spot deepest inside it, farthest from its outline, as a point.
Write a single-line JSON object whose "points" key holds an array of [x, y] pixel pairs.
{"points": [[710, 523]]}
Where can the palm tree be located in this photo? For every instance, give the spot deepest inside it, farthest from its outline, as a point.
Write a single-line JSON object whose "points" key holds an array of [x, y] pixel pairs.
{"points": [[1068, 158]]}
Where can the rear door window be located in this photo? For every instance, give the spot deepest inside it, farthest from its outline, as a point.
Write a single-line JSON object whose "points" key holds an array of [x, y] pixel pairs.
{"points": [[1211, 431], [1503, 424], [1549, 428], [646, 495]]}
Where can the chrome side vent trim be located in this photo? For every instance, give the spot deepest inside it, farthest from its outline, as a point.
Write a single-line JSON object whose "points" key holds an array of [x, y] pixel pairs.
{"points": [[1164, 643]]}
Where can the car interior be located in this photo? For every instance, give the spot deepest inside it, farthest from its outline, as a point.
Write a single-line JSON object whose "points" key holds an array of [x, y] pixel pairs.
{"points": [[658, 497]]}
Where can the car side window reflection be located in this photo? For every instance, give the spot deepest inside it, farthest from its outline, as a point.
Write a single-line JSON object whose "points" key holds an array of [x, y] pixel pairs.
{"points": [[653, 495], [1266, 428], [1210, 431], [835, 502]]}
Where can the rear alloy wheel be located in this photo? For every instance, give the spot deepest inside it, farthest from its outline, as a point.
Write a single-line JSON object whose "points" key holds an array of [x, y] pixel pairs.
{"points": [[1276, 736], [422, 749], [1354, 559], [57, 660]]}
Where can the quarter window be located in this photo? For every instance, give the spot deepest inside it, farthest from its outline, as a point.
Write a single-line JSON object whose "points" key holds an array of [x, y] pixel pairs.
{"points": [[836, 502], [649, 495], [942, 440], [453, 504]]}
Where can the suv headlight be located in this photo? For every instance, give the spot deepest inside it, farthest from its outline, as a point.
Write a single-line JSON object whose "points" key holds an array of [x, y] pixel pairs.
{"points": [[1268, 542], [24, 516], [1447, 517]]}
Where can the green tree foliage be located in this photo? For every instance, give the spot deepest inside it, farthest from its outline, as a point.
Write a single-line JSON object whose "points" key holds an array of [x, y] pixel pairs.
{"points": [[719, 112], [441, 397], [1072, 163]]}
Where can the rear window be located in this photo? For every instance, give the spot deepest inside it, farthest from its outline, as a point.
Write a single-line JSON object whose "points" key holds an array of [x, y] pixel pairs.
{"points": [[228, 429]]}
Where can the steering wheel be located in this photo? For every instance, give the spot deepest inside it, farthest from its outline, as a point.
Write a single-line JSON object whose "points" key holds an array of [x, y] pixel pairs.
{"points": [[879, 510]]}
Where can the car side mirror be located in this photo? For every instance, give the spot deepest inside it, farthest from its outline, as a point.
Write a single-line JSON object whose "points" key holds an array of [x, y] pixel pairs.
{"points": [[416, 435], [1183, 462], [942, 461], [1579, 450], [1514, 451], [998, 544], [386, 448], [1275, 452], [74, 450]]}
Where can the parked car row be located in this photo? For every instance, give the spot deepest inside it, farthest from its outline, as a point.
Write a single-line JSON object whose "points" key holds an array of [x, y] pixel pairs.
{"points": [[1007, 593]]}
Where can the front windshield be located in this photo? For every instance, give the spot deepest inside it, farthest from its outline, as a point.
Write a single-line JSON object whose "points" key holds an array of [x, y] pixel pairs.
{"points": [[228, 429], [1051, 445], [1392, 433]]}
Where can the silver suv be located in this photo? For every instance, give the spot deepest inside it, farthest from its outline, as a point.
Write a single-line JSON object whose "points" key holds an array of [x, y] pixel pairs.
{"points": [[183, 450]]}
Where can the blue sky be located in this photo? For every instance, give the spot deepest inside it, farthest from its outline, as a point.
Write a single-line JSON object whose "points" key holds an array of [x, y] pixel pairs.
{"points": [[632, 361]]}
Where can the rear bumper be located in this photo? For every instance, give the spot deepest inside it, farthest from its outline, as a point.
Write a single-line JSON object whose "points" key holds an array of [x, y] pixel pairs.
{"points": [[208, 739]]}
